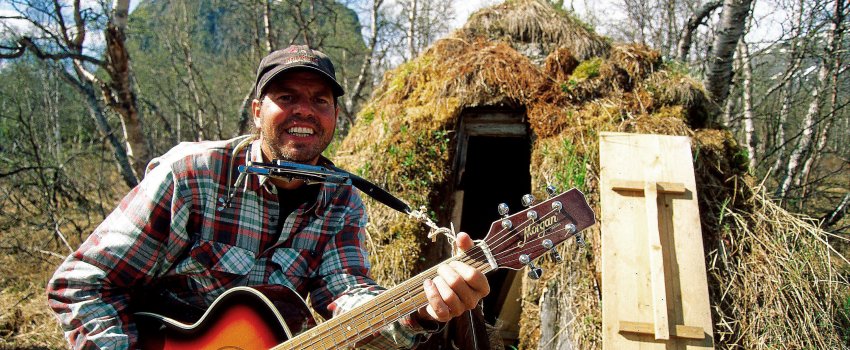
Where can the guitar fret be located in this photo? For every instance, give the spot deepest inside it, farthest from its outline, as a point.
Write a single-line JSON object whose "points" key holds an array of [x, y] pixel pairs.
{"points": [[385, 308]]}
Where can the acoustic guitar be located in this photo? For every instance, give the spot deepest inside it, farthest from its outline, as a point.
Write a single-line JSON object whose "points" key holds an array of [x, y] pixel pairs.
{"points": [[275, 317]]}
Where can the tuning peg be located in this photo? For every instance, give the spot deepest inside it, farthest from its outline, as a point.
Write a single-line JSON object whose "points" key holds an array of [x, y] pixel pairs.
{"points": [[503, 209], [534, 272], [580, 240], [551, 190], [527, 200], [547, 243]]}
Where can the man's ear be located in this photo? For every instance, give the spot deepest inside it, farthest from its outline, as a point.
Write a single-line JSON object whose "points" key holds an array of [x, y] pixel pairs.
{"points": [[255, 112]]}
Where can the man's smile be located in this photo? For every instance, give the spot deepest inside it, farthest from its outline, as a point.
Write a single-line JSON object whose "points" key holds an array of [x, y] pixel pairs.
{"points": [[300, 131]]}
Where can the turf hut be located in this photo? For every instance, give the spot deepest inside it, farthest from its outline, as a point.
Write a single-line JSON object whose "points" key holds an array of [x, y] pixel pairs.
{"points": [[514, 101]]}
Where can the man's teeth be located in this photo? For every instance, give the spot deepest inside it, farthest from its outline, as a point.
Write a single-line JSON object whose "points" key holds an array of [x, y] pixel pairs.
{"points": [[300, 131]]}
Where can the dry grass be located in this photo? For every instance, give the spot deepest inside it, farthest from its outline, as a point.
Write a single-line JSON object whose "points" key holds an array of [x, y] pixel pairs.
{"points": [[30, 252], [523, 22], [26, 322]]}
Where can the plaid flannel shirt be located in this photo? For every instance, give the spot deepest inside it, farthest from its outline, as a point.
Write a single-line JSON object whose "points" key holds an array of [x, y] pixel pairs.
{"points": [[166, 234]]}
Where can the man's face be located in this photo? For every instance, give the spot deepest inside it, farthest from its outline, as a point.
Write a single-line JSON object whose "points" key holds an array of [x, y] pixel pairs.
{"points": [[296, 117]]}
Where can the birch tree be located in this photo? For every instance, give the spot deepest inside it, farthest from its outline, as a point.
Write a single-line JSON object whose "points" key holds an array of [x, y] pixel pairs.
{"points": [[833, 52], [59, 34], [804, 143], [698, 18], [733, 20], [747, 100]]}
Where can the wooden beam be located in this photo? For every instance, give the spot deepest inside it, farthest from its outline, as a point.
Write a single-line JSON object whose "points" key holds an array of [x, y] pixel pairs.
{"points": [[656, 252], [635, 186], [679, 331]]}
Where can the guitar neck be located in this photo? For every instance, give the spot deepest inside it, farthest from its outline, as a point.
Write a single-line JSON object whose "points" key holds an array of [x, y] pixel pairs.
{"points": [[347, 329]]}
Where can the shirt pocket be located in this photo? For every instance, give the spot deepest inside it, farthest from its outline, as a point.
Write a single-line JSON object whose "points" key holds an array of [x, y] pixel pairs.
{"points": [[294, 262], [214, 265]]}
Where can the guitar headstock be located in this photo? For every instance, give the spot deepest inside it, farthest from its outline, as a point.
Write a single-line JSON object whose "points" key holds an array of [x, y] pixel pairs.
{"points": [[517, 240]]}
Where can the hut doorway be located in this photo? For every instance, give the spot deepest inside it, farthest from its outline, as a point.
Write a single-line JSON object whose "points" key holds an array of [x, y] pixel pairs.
{"points": [[492, 167]]}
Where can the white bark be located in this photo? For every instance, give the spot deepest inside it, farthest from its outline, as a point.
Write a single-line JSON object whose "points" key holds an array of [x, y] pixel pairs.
{"points": [[780, 130], [412, 17], [834, 54], [733, 20], [267, 26], [804, 145], [365, 68], [747, 99]]}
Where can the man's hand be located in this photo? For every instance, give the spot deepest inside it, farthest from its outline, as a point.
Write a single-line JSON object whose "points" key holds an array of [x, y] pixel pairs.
{"points": [[457, 288]]}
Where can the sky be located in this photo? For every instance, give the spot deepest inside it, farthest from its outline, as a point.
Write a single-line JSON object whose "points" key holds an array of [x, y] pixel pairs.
{"points": [[767, 25]]}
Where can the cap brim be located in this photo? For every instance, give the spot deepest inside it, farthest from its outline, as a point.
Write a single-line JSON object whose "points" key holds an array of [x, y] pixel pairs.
{"points": [[276, 71]]}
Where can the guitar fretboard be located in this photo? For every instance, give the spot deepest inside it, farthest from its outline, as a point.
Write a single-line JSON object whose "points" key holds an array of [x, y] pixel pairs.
{"points": [[347, 329]]}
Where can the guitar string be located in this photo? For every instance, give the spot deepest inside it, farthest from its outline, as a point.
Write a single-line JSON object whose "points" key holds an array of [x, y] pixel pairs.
{"points": [[376, 326], [474, 257], [372, 327], [355, 316], [390, 302]]}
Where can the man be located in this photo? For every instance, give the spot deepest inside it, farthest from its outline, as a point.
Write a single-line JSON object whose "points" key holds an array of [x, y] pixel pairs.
{"points": [[187, 233]]}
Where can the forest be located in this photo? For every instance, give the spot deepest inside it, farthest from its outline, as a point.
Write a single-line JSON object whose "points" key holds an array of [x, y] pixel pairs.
{"points": [[91, 91]]}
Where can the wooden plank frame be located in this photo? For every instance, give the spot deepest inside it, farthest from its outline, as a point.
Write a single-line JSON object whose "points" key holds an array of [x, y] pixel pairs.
{"points": [[654, 284]]}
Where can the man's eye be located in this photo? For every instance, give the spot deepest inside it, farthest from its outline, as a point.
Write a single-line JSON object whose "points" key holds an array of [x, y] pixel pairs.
{"points": [[322, 101], [285, 98]]}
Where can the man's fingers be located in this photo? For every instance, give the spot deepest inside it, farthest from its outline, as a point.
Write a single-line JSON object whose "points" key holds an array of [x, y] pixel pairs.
{"points": [[436, 309], [456, 288], [450, 297], [473, 279], [464, 242]]}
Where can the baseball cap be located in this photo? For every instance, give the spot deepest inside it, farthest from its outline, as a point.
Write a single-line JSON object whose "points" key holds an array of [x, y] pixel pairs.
{"points": [[295, 57]]}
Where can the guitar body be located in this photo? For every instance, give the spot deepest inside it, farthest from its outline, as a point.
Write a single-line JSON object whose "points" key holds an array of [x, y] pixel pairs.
{"points": [[241, 318]]}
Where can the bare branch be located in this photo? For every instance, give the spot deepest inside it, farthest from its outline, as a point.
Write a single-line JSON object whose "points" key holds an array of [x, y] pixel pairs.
{"points": [[697, 19], [28, 44]]}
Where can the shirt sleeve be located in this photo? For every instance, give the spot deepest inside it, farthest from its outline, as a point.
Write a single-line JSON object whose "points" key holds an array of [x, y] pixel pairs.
{"points": [[345, 283], [90, 291]]}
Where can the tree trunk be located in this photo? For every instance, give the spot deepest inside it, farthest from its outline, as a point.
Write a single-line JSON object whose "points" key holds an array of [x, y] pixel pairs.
{"points": [[96, 112], [271, 43], [787, 86], [718, 76], [805, 143], [411, 29], [838, 213], [121, 94], [780, 127], [694, 22], [245, 123], [354, 94], [747, 99], [835, 56]]}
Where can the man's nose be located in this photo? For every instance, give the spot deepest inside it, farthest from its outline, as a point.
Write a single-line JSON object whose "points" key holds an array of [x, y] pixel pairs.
{"points": [[303, 106]]}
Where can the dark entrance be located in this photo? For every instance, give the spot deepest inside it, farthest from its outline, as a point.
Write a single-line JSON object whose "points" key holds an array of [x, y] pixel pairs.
{"points": [[493, 161], [496, 172]]}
